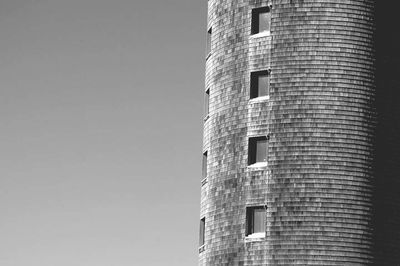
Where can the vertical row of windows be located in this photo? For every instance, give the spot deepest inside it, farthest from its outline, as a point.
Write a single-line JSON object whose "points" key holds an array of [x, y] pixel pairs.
{"points": [[203, 220], [256, 216], [205, 154], [258, 146], [259, 86]]}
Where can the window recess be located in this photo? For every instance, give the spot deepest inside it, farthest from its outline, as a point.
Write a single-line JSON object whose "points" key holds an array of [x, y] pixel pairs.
{"points": [[259, 84], [261, 20], [256, 218], [258, 151]]}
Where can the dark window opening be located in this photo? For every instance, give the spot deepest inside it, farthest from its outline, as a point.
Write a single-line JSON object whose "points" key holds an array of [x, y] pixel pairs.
{"points": [[209, 33], [204, 171], [207, 102], [256, 218], [261, 20], [259, 84], [258, 150], [202, 231]]}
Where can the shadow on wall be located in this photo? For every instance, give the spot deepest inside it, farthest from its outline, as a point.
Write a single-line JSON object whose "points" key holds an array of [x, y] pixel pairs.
{"points": [[387, 162]]}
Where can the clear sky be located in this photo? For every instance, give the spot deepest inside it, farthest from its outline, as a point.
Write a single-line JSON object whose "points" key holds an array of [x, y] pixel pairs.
{"points": [[100, 131]]}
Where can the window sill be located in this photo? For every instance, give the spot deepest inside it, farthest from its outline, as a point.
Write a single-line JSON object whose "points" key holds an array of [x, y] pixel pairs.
{"points": [[258, 165], [259, 99], [256, 237], [202, 248], [260, 34], [204, 181]]}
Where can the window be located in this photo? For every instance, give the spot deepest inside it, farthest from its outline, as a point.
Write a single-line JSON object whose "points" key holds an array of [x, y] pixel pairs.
{"points": [[207, 102], [209, 42], [258, 150], [255, 221], [261, 20], [259, 84], [204, 166], [202, 231]]}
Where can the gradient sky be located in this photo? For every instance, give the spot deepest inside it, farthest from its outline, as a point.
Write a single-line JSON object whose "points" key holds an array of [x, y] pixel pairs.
{"points": [[101, 131]]}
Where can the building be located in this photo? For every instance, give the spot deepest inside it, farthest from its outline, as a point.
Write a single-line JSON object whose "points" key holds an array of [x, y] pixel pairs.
{"points": [[300, 148]]}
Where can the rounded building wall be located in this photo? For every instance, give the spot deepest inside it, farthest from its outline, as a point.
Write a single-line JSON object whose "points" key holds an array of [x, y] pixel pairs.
{"points": [[319, 121]]}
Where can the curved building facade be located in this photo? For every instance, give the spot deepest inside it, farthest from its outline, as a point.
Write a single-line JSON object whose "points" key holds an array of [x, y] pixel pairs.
{"points": [[289, 133]]}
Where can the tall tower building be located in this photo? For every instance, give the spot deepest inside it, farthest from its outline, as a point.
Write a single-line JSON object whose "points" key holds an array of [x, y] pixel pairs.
{"points": [[289, 150]]}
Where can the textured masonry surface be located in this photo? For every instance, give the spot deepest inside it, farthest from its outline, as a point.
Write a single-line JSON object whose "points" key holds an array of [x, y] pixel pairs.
{"points": [[321, 119]]}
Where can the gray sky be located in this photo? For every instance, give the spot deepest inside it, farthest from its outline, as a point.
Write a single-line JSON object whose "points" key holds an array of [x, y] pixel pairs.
{"points": [[101, 131]]}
